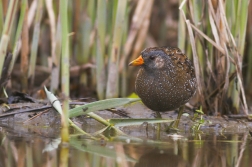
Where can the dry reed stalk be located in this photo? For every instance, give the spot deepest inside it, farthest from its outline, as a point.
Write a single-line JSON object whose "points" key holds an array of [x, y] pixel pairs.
{"points": [[195, 57], [52, 21], [227, 57], [136, 25], [141, 36], [54, 63], [24, 53]]}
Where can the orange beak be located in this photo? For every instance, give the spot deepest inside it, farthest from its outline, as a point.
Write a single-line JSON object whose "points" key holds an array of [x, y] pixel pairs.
{"points": [[137, 62]]}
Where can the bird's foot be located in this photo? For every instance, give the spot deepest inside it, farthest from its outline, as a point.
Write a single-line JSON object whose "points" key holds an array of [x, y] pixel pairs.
{"points": [[173, 127]]}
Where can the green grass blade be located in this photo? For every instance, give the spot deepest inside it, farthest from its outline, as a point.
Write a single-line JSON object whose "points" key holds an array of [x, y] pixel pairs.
{"points": [[96, 149], [35, 40], [129, 122], [18, 33], [65, 76], [100, 105], [5, 38], [103, 121], [113, 76], [1, 16], [100, 48], [57, 106]]}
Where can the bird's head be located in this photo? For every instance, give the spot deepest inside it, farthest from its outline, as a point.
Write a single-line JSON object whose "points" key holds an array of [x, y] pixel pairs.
{"points": [[151, 59]]}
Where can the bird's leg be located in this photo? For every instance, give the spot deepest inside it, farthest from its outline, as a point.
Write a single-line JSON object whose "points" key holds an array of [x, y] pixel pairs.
{"points": [[176, 123], [158, 125], [158, 114]]}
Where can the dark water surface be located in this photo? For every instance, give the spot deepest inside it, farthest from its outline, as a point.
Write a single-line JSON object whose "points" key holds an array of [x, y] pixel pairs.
{"points": [[33, 149]]}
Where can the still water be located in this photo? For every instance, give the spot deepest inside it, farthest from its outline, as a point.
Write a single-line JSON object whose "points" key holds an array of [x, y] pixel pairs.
{"points": [[33, 148]]}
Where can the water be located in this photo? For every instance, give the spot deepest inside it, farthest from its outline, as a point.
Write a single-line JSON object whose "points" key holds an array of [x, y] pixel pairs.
{"points": [[36, 143], [198, 150]]}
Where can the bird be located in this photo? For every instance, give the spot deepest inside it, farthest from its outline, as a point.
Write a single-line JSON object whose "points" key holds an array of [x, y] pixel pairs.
{"points": [[166, 79]]}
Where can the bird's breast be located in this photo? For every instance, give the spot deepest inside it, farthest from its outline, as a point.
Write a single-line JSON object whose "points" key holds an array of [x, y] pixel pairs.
{"points": [[161, 91]]}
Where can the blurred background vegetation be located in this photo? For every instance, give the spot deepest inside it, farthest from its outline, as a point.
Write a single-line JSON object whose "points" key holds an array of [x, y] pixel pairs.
{"points": [[105, 35]]}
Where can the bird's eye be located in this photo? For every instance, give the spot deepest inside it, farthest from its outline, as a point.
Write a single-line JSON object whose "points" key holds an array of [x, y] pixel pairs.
{"points": [[152, 57]]}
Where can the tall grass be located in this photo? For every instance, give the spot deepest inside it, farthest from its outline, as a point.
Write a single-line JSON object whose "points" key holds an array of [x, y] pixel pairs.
{"points": [[35, 40], [65, 57], [218, 41], [64, 69], [106, 35], [113, 75], [7, 27]]}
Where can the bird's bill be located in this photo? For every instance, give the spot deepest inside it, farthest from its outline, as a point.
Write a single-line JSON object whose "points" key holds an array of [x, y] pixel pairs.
{"points": [[137, 62]]}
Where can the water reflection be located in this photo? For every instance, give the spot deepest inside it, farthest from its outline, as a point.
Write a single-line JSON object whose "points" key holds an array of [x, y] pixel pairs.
{"points": [[227, 150], [159, 158]]}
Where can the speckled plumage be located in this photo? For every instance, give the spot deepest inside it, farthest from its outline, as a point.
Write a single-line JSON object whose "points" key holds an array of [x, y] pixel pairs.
{"points": [[166, 80]]}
